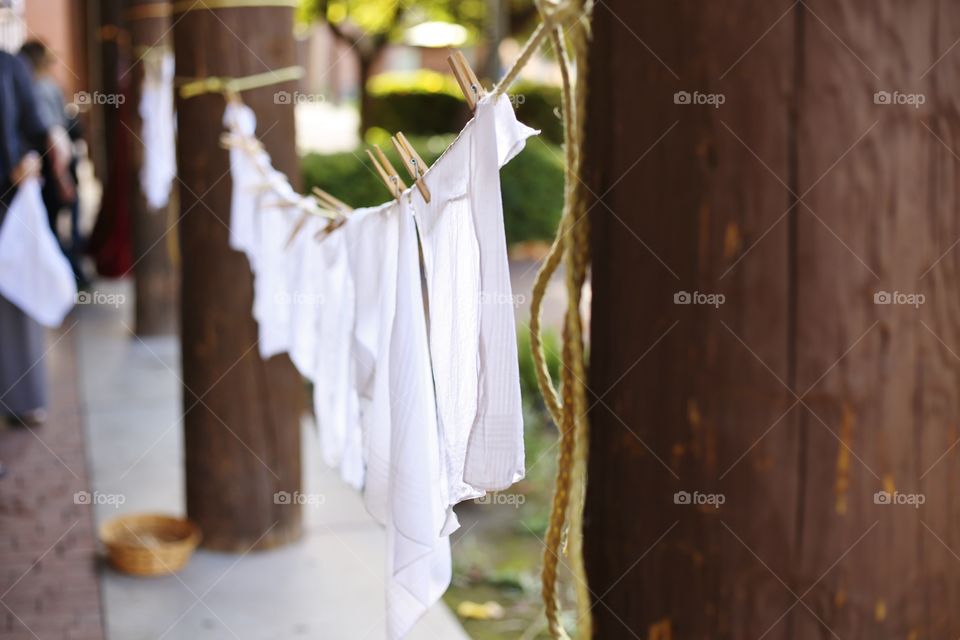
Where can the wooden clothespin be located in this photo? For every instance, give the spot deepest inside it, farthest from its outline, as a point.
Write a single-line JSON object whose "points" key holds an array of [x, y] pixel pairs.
{"points": [[330, 202], [466, 78], [415, 164], [296, 230], [337, 206], [332, 226], [387, 173]]}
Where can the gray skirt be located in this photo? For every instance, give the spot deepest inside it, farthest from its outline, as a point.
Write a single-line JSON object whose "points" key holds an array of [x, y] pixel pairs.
{"points": [[23, 372]]}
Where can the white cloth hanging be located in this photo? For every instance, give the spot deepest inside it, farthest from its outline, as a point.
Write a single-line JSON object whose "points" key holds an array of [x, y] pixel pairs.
{"points": [[466, 206], [420, 552], [404, 487], [34, 273], [416, 392], [322, 346], [159, 131], [240, 120], [274, 298], [495, 457], [372, 235]]}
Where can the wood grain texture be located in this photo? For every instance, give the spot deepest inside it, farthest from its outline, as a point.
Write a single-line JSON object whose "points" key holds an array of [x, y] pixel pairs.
{"points": [[243, 440], [156, 278], [798, 199]]}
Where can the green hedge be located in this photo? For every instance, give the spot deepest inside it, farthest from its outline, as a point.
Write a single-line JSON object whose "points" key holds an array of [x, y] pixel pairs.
{"points": [[532, 183], [420, 103], [426, 103]]}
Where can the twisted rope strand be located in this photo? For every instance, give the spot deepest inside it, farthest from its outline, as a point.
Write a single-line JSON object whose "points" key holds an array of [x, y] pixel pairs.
{"points": [[571, 246]]}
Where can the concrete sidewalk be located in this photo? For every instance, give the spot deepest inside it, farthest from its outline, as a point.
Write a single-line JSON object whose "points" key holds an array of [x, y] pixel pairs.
{"points": [[330, 585]]}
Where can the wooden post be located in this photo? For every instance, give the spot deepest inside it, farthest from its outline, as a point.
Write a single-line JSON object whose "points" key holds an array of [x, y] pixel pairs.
{"points": [[154, 232], [798, 198], [242, 437]]}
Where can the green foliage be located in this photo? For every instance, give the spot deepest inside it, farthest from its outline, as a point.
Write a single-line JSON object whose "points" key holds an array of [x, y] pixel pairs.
{"points": [[529, 388], [532, 188], [419, 103], [421, 81], [370, 16], [392, 17], [532, 183], [428, 103], [538, 106]]}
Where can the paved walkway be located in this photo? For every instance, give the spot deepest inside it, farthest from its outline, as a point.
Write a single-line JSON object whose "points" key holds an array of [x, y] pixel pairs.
{"points": [[48, 580], [328, 586]]}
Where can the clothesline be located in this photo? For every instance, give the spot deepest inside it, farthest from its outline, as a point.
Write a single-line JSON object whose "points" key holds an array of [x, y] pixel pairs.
{"points": [[562, 21], [567, 18], [420, 414]]}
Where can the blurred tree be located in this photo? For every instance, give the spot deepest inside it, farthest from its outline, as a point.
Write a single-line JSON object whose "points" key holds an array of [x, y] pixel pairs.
{"points": [[368, 26]]}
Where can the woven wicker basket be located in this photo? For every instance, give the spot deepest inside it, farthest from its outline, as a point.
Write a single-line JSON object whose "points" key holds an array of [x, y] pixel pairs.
{"points": [[149, 544]]}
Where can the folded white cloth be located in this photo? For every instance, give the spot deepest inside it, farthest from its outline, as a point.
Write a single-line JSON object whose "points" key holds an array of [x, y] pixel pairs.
{"points": [[274, 275], [246, 192], [495, 457], [416, 380], [417, 491], [159, 131], [469, 289], [372, 236], [323, 328], [34, 273]]}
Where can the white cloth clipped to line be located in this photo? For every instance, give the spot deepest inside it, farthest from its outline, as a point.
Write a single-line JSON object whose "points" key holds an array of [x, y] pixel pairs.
{"points": [[159, 132], [34, 273], [415, 370]]}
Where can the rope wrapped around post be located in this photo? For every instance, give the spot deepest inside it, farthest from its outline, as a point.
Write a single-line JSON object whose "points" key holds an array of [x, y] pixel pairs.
{"points": [[565, 21]]}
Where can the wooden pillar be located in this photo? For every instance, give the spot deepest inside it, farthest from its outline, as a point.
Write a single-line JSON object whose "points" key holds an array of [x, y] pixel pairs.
{"points": [[154, 232], [778, 181], [242, 437]]}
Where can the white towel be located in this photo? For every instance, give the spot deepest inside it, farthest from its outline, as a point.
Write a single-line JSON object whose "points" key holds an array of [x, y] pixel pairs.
{"points": [[34, 273], [274, 276], [326, 287], [452, 264], [309, 292], [372, 250], [240, 121], [495, 451], [159, 131], [421, 568]]}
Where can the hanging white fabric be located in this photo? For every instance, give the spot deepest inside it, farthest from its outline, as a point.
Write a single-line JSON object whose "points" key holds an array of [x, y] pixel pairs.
{"points": [[417, 398], [495, 455], [240, 120], [34, 273], [159, 132], [467, 276]]}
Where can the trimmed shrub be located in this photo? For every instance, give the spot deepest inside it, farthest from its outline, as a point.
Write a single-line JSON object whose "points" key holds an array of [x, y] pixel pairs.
{"points": [[427, 103], [419, 103]]}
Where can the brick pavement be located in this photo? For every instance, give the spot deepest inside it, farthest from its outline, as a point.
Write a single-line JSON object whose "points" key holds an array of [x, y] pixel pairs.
{"points": [[48, 574]]}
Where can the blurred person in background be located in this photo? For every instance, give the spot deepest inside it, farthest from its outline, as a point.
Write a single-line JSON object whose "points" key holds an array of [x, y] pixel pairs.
{"points": [[23, 383], [59, 191]]}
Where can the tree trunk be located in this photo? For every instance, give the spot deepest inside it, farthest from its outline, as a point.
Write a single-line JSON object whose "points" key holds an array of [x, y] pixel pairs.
{"points": [[154, 232], [110, 37], [497, 26], [242, 432], [365, 64], [798, 398]]}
